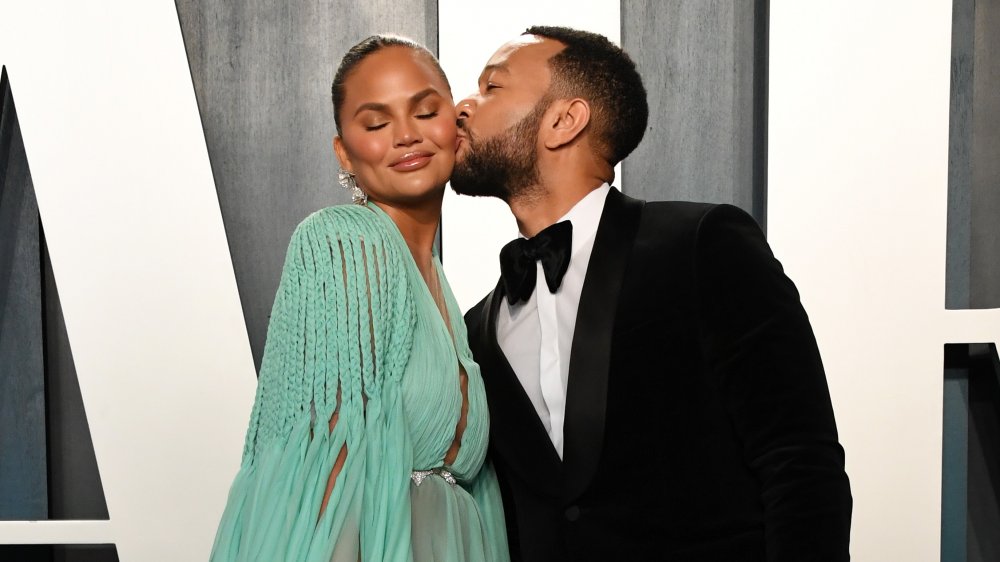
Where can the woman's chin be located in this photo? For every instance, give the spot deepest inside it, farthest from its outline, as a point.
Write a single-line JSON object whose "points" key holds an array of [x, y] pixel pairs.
{"points": [[414, 197]]}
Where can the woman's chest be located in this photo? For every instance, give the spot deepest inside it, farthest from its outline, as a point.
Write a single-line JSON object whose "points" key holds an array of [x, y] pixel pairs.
{"points": [[432, 388]]}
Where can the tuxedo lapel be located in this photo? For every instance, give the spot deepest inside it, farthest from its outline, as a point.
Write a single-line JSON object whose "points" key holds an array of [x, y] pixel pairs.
{"points": [[517, 433], [587, 387]]}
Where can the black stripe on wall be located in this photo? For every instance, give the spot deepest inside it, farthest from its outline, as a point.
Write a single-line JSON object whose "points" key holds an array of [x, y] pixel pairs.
{"points": [[59, 553]]}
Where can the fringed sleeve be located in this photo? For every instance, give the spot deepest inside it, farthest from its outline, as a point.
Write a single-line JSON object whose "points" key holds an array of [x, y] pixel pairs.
{"points": [[339, 338]]}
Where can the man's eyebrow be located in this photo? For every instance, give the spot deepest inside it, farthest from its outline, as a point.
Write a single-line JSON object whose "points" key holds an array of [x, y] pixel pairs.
{"points": [[490, 68], [383, 108]]}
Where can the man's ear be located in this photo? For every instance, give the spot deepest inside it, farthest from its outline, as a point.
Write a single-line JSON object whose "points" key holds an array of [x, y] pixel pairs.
{"points": [[566, 121], [341, 152]]}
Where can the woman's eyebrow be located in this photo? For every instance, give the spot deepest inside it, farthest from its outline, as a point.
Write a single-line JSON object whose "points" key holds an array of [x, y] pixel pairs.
{"points": [[383, 108], [419, 96]]}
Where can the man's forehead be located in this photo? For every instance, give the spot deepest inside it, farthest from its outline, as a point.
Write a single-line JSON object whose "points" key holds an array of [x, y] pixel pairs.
{"points": [[525, 47]]}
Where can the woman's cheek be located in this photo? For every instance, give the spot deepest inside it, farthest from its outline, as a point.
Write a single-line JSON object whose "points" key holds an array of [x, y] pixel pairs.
{"points": [[372, 149], [445, 132]]}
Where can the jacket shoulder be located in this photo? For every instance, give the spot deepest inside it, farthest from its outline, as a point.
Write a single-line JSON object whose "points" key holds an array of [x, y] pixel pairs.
{"points": [[690, 216], [686, 212], [474, 315]]}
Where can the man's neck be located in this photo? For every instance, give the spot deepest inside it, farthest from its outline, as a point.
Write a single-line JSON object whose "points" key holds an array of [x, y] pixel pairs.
{"points": [[544, 207]]}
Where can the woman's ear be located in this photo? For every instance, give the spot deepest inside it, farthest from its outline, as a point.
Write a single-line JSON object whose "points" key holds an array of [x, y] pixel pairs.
{"points": [[570, 118], [341, 152]]}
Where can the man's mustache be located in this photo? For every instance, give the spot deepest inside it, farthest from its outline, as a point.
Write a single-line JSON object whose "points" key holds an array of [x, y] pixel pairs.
{"points": [[465, 133]]}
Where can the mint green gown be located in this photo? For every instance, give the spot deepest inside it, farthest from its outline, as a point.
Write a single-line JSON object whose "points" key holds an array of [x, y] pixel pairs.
{"points": [[354, 330]]}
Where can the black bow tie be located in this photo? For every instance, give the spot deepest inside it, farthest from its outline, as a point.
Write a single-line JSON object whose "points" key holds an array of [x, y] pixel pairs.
{"points": [[517, 261]]}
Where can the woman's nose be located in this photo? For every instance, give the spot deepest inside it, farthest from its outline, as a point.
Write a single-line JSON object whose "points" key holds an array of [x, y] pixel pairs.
{"points": [[407, 133]]}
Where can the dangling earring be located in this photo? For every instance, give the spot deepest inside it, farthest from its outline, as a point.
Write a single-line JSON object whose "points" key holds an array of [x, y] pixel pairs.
{"points": [[346, 179]]}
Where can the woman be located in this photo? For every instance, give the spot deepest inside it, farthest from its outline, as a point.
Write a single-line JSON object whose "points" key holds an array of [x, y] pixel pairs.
{"points": [[368, 435]]}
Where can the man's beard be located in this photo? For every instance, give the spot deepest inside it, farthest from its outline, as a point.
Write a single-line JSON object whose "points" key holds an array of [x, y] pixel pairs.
{"points": [[503, 166]]}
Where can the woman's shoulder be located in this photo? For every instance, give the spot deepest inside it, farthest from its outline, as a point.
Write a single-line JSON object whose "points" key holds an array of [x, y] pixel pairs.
{"points": [[342, 221]]}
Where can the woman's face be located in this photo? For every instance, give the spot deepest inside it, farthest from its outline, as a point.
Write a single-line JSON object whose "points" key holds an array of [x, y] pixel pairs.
{"points": [[397, 127]]}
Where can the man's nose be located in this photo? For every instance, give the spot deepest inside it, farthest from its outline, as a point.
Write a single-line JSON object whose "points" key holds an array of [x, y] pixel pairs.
{"points": [[466, 108]]}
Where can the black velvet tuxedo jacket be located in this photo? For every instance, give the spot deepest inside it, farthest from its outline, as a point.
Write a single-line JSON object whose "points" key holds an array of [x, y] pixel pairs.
{"points": [[698, 420]]}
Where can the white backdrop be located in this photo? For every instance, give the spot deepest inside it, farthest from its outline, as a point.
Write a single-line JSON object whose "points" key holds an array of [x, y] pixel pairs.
{"points": [[856, 207], [121, 172], [474, 229]]}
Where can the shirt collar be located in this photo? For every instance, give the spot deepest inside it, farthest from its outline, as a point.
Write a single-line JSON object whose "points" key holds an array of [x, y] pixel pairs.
{"points": [[586, 215]]}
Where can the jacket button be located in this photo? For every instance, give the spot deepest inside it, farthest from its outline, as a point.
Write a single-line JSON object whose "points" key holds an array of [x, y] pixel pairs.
{"points": [[572, 513]]}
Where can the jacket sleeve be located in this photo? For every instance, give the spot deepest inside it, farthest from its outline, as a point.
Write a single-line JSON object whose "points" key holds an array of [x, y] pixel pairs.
{"points": [[764, 359], [338, 341]]}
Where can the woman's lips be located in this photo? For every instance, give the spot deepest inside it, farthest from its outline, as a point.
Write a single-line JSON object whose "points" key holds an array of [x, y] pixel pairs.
{"points": [[411, 161]]}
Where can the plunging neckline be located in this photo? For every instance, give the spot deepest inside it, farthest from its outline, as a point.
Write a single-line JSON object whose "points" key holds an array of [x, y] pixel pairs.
{"points": [[444, 321], [445, 316]]}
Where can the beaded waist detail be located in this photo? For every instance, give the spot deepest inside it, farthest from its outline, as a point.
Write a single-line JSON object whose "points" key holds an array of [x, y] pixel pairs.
{"points": [[418, 476]]}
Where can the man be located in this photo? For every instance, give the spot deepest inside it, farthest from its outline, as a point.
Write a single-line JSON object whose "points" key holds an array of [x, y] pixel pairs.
{"points": [[655, 389]]}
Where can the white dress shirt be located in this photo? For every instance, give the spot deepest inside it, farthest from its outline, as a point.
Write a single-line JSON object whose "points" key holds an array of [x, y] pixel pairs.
{"points": [[536, 336]]}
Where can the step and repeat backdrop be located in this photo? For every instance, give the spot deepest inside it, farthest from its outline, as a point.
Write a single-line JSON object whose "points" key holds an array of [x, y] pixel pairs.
{"points": [[155, 158]]}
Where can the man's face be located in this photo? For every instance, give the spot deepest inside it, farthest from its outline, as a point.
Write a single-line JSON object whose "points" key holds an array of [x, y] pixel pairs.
{"points": [[498, 125]]}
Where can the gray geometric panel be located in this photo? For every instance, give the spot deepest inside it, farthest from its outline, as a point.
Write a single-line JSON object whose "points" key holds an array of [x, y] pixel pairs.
{"points": [[262, 73], [985, 240], [704, 65], [973, 270], [970, 503], [959, 154], [984, 454], [955, 455], [23, 489]]}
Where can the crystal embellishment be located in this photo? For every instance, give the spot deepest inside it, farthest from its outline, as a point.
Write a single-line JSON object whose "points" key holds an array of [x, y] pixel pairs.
{"points": [[418, 476]]}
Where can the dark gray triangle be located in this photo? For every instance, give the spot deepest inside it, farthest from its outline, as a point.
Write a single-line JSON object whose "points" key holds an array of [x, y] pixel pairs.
{"points": [[48, 469], [23, 463]]}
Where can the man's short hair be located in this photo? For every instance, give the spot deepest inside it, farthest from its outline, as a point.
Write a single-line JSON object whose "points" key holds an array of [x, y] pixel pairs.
{"points": [[597, 70]]}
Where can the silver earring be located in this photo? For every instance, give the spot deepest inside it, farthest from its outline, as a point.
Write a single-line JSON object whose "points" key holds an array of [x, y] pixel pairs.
{"points": [[347, 181]]}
